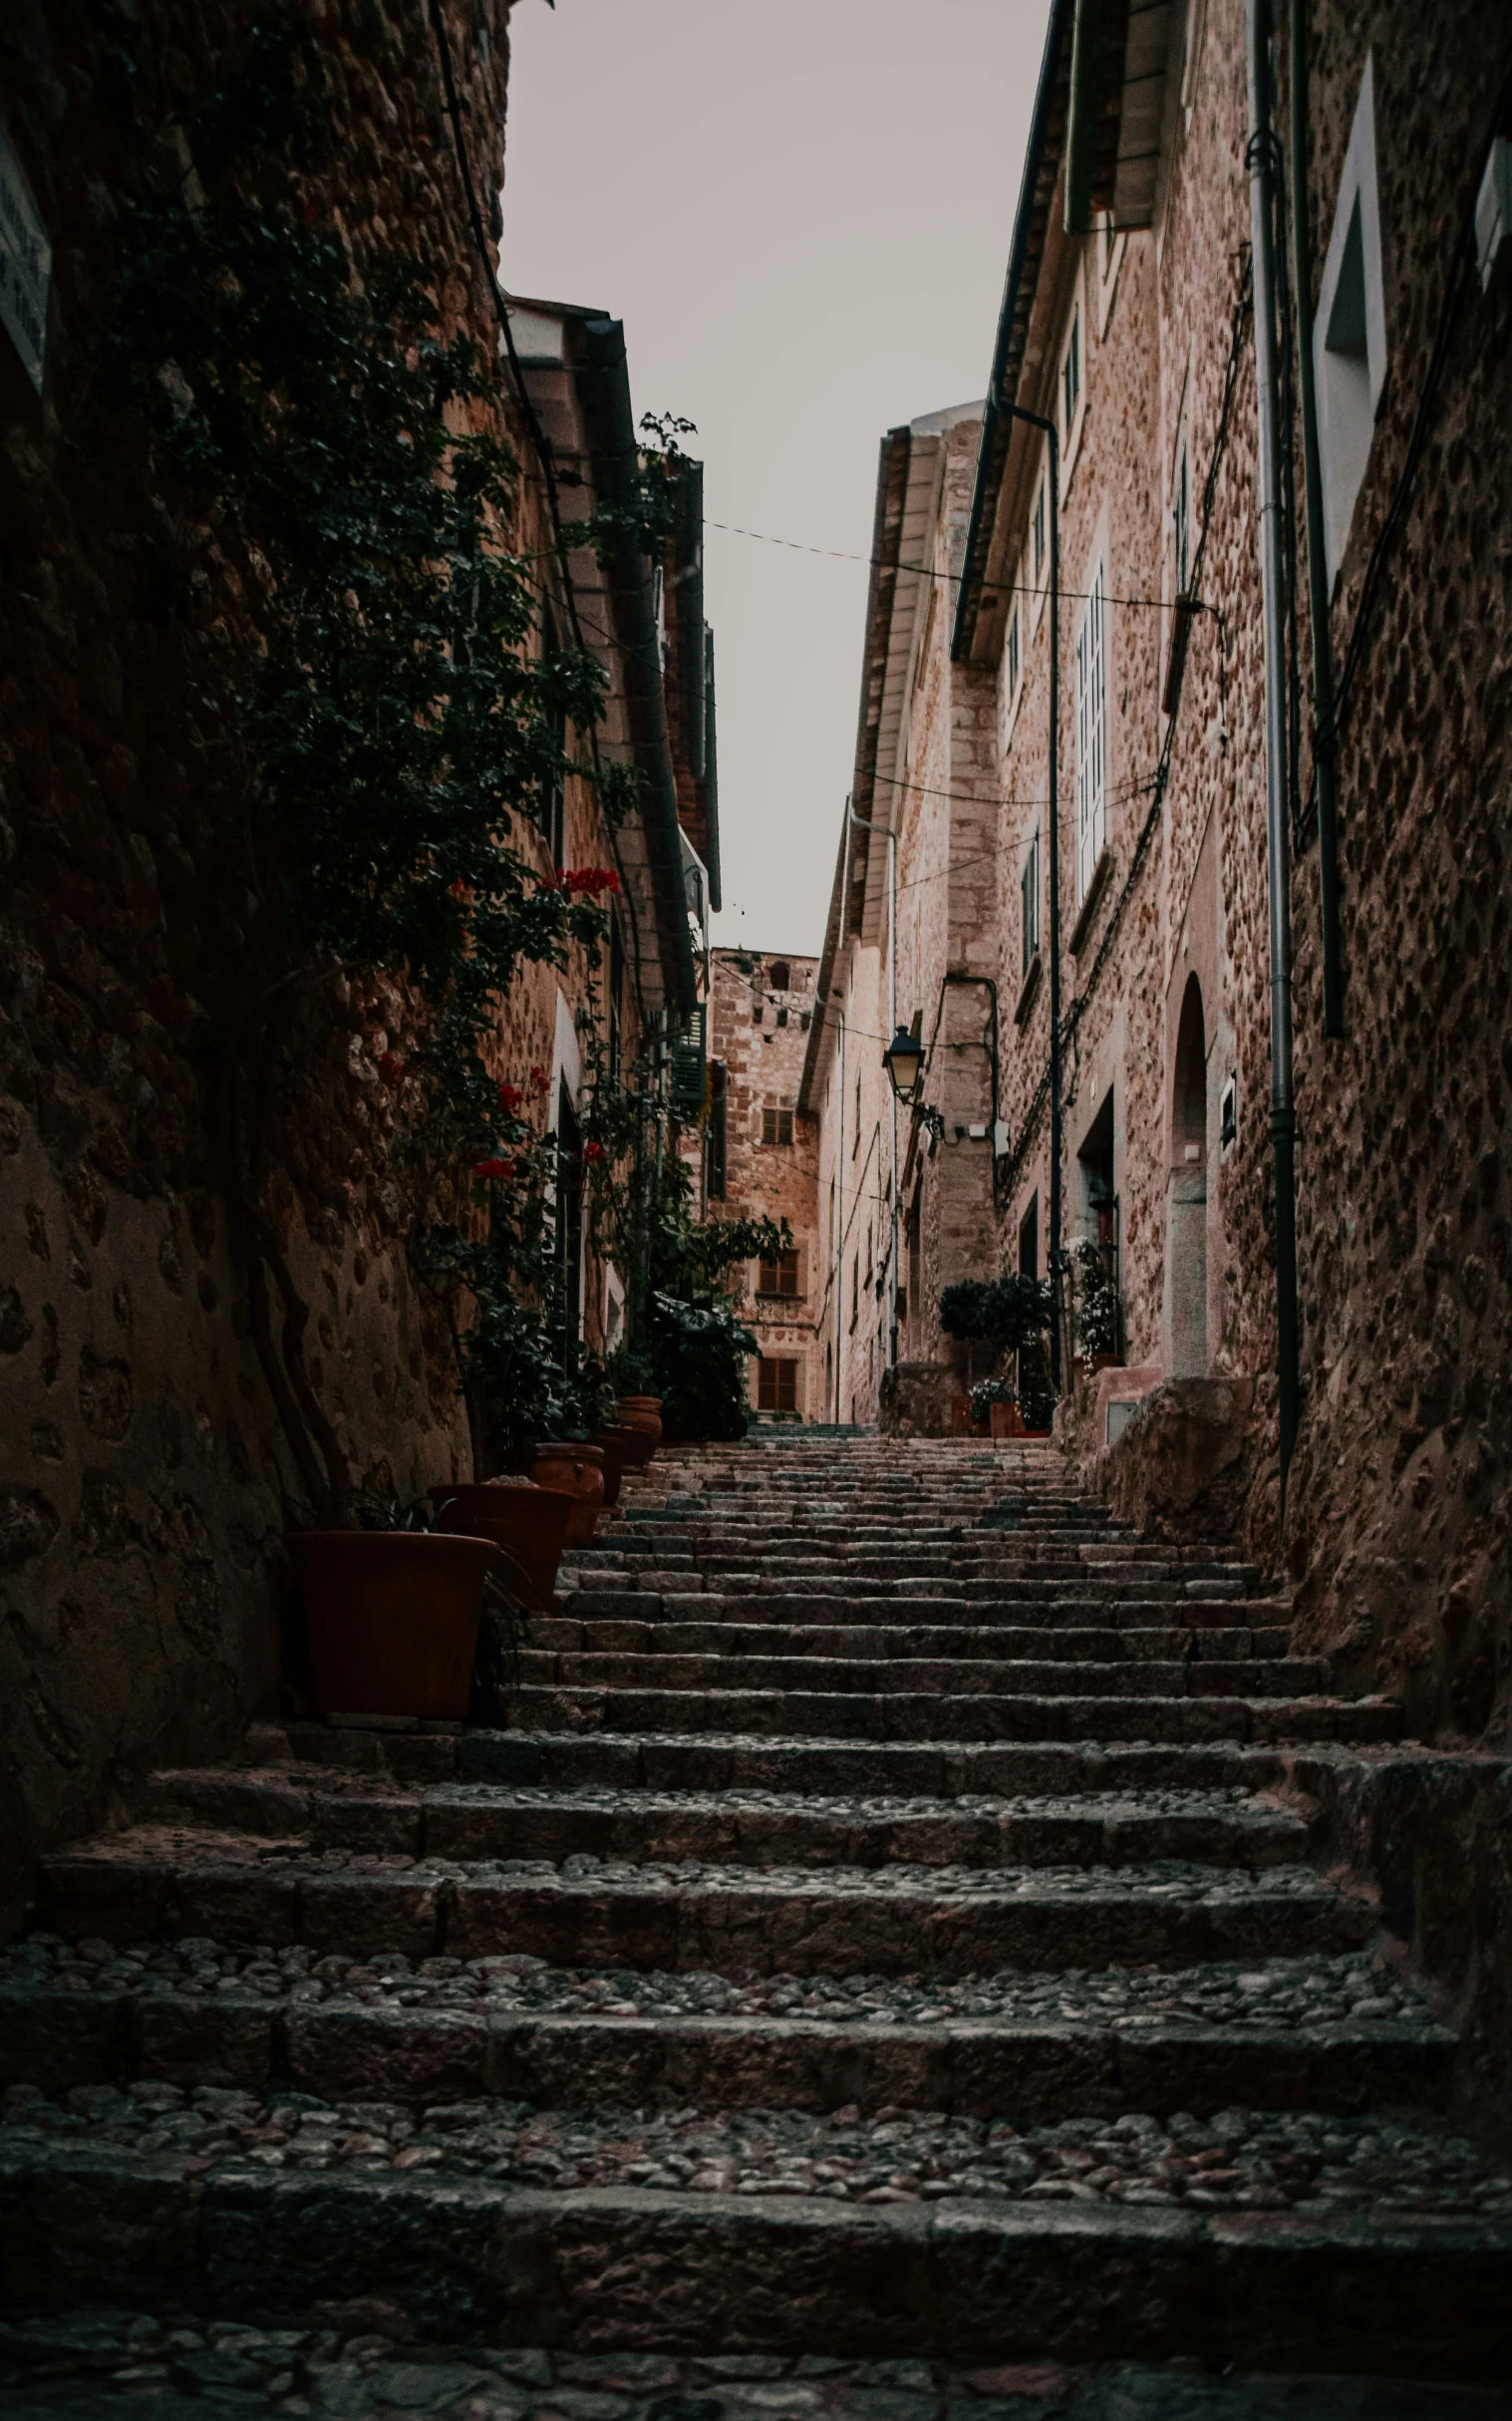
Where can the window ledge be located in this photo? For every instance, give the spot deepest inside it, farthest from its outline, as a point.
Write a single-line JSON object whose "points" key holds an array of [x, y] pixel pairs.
{"points": [[1030, 991], [1090, 906]]}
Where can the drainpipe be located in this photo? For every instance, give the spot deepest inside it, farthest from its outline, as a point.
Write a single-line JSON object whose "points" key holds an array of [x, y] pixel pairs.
{"points": [[1317, 562], [1036, 420], [1262, 161], [891, 839]]}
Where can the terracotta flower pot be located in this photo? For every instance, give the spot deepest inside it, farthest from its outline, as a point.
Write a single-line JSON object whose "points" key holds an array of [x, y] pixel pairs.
{"points": [[1006, 1421], [636, 1447], [531, 1522], [642, 1412], [610, 1444], [392, 1619], [579, 1472]]}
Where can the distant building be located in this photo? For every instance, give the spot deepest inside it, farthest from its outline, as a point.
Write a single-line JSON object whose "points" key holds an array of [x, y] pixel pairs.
{"points": [[759, 1160]]}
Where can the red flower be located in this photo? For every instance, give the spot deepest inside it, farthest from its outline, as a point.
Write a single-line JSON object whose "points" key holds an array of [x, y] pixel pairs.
{"points": [[589, 882], [389, 1067], [540, 1079], [511, 1099], [459, 889], [498, 1173], [594, 1151]]}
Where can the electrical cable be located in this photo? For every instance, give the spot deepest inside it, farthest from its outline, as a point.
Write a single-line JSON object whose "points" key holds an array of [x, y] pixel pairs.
{"points": [[927, 571]]}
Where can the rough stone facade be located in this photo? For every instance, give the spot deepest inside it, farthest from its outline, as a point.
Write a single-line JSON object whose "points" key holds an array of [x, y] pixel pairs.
{"points": [[761, 1161], [1138, 341], [146, 1486]]}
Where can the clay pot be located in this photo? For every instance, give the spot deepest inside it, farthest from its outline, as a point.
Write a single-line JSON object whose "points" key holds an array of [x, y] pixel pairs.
{"points": [[392, 1619], [530, 1522], [610, 1446], [636, 1447], [643, 1413], [1006, 1421], [579, 1472]]}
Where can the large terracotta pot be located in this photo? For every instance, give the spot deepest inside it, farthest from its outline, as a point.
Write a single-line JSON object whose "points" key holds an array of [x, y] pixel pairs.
{"points": [[579, 1472], [636, 1447], [611, 1445], [1006, 1421], [530, 1522], [392, 1619], [642, 1412]]}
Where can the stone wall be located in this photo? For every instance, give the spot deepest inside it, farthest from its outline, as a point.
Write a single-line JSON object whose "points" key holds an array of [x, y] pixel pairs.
{"points": [[146, 1485]]}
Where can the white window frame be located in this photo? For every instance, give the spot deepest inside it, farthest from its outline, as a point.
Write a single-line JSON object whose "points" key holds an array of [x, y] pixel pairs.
{"points": [[1181, 514], [1029, 903], [1013, 667], [1349, 331], [1092, 729], [1036, 573]]}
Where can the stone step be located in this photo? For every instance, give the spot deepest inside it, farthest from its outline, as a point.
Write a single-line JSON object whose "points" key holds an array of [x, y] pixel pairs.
{"points": [[656, 1595], [713, 1761], [990, 1677], [468, 2241], [748, 1828], [729, 1634], [897, 1714], [151, 1883], [1047, 2048]]}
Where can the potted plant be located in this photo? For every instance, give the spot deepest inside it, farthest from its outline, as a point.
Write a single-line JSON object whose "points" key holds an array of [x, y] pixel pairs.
{"points": [[995, 1404], [1097, 1308], [392, 1608], [1008, 1313], [638, 1405]]}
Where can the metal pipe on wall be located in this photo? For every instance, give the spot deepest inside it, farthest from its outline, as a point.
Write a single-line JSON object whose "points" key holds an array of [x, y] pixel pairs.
{"points": [[1261, 159], [1319, 623]]}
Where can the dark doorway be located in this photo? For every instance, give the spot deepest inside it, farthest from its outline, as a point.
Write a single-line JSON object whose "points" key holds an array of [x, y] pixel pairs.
{"points": [[1186, 1203], [1029, 1240]]}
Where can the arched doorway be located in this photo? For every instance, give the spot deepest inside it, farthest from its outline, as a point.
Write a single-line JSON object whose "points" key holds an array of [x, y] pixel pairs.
{"points": [[1186, 1196]]}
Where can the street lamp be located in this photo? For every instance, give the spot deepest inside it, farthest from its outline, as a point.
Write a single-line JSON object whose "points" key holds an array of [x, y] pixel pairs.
{"points": [[904, 1061]]}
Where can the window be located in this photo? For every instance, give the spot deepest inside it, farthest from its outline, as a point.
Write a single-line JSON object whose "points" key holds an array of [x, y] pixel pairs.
{"points": [[777, 1384], [779, 1277], [1011, 660], [1038, 538], [916, 1245], [1071, 377], [1029, 1240], [1028, 891], [1091, 737], [855, 1289], [856, 1132], [1349, 332], [755, 1013], [776, 1124], [780, 977], [781, 1017], [1181, 519]]}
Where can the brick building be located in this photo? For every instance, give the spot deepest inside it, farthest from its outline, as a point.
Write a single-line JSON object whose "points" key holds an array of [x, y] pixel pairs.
{"points": [[759, 1158], [146, 1483], [1190, 798]]}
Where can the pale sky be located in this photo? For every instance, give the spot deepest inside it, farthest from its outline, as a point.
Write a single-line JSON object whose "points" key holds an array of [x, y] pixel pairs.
{"points": [[801, 211]]}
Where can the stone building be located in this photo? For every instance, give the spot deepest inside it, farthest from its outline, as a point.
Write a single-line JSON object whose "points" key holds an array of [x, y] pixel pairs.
{"points": [[758, 1159], [146, 1485], [1132, 347]]}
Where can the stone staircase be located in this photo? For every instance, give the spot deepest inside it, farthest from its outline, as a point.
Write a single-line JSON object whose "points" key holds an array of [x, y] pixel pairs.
{"points": [[882, 1930]]}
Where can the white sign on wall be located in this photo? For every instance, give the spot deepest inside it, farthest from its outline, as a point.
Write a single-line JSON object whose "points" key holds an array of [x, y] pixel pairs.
{"points": [[26, 266]]}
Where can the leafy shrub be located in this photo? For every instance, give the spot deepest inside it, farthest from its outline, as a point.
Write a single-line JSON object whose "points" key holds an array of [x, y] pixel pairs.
{"points": [[989, 1392], [1007, 1312], [698, 1355]]}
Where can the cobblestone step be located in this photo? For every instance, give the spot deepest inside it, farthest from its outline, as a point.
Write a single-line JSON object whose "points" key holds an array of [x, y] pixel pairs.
{"points": [[897, 1714], [730, 1917], [897, 1675], [749, 1827], [94, 2364], [460, 2256], [1340, 2033]]}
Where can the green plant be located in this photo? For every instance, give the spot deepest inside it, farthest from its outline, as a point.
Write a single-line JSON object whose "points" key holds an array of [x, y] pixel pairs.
{"points": [[1003, 1312], [1037, 1394], [699, 1355], [1096, 1299], [631, 1370], [989, 1392], [399, 709]]}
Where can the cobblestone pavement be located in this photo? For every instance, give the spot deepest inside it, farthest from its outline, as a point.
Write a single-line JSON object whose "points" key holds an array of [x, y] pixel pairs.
{"points": [[881, 1966], [118, 2363]]}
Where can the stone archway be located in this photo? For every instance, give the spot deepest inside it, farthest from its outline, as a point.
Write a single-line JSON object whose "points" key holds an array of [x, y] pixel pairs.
{"points": [[1186, 1196]]}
